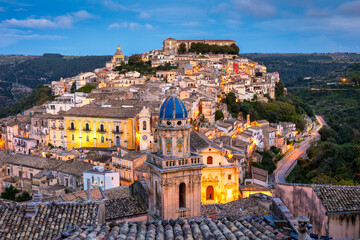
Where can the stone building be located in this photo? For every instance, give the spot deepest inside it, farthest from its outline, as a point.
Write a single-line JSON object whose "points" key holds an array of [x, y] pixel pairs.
{"points": [[175, 172], [333, 211], [171, 45]]}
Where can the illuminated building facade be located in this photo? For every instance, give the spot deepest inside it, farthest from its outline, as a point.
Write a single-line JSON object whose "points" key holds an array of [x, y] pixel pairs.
{"points": [[220, 179], [103, 127], [175, 172], [171, 45]]}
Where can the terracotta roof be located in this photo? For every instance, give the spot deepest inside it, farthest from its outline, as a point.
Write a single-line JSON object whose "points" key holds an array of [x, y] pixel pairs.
{"points": [[198, 228], [338, 198], [132, 155], [95, 194], [98, 111], [50, 219], [118, 192], [121, 208]]}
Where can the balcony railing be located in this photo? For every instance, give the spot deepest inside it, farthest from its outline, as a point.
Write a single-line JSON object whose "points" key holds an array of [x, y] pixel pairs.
{"points": [[86, 130], [117, 132], [101, 130], [71, 129], [61, 127]]}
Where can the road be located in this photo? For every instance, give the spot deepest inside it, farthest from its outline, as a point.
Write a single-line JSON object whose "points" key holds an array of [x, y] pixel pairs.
{"points": [[284, 165]]}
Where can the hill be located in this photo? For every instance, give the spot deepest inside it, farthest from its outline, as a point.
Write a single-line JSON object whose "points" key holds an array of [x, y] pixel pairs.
{"points": [[294, 66], [19, 74]]}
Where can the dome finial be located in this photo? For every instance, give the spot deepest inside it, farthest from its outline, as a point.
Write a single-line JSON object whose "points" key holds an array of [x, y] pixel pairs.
{"points": [[118, 47]]}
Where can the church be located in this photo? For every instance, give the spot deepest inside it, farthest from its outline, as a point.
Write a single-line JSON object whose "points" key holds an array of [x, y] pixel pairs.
{"points": [[117, 58], [176, 171]]}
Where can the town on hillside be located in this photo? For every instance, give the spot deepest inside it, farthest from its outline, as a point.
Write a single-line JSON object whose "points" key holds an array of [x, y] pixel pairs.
{"points": [[157, 146]]}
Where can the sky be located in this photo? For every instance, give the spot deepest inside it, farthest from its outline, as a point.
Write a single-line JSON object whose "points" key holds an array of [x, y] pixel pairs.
{"points": [[96, 27]]}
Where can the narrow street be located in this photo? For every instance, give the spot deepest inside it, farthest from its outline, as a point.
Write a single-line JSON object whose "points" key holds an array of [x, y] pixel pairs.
{"points": [[286, 163]]}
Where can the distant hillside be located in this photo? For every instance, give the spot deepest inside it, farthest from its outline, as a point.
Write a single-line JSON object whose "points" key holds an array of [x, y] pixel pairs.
{"points": [[292, 66], [21, 73]]}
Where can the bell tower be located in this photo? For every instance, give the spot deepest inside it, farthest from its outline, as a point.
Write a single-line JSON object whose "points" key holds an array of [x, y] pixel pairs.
{"points": [[175, 173], [144, 137]]}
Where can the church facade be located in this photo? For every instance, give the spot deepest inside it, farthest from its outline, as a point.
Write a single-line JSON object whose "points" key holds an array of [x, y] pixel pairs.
{"points": [[175, 172]]}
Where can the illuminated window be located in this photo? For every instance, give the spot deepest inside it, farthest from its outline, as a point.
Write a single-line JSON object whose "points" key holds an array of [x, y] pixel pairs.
{"points": [[102, 139], [229, 176], [210, 193], [87, 138], [72, 125], [209, 160], [72, 137]]}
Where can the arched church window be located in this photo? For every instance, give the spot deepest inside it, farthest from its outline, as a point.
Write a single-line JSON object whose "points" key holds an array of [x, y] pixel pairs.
{"points": [[144, 125], [87, 126], [209, 160], [210, 193], [72, 125], [102, 128], [182, 195]]}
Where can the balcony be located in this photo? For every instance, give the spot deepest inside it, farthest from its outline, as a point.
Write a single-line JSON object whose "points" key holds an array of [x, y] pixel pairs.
{"points": [[125, 179], [61, 127], [71, 129], [117, 132], [86, 130], [101, 130]]}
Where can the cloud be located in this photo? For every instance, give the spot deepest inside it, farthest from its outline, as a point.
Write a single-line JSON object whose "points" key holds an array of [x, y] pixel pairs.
{"points": [[30, 23], [318, 13], [130, 25], [190, 24], [144, 15], [20, 10], [149, 26], [257, 8], [350, 8], [114, 5], [65, 21], [36, 36], [114, 25]]}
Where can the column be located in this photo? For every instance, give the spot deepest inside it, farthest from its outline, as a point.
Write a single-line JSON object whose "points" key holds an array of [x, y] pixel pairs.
{"points": [[109, 140], [80, 133], [95, 139]]}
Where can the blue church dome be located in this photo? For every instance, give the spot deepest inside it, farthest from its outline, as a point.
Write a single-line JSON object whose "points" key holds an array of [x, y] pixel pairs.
{"points": [[173, 108]]}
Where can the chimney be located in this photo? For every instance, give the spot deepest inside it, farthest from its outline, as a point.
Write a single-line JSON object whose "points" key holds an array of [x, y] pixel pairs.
{"points": [[88, 190], [304, 228]]}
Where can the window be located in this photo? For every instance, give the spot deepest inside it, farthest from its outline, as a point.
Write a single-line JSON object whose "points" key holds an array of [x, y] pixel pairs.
{"points": [[72, 126], [209, 160], [8, 171], [229, 176], [20, 174], [117, 141], [182, 195], [144, 125], [54, 135], [87, 138], [210, 193], [72, 137], [87, 127], [31, 176], [102, 129], [92, 179], [102, 139], [117, 129], [53, 124], [112, 178]]}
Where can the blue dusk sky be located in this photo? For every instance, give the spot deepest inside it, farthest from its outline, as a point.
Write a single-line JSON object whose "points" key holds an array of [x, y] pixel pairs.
{"points": [[96, 27]]}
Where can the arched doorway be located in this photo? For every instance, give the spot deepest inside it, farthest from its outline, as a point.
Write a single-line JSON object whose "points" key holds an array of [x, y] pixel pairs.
{"points": [[117, 141], [210, 193], [182, 195]]}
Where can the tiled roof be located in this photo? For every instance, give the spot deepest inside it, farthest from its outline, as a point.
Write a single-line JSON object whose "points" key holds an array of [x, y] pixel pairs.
{"points": [[118, 192], [198, 228], [75, 168], [95, 194], [49, 221], [132, 155], [198, 141], [97, 111], [339, 198], [121, 208]]}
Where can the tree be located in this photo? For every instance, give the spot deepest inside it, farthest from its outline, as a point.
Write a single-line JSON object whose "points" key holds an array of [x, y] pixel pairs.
{"points": [[279, 90], [182, 48], [73, 87], [219, 115], [10, 193], [135, 58], [23, 197], [86, 89]]}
